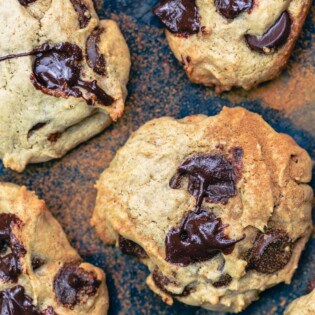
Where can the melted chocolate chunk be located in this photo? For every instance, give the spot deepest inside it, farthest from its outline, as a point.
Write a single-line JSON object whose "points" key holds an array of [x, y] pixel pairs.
{"points": [[25, 3], [10, 267], [271, 252], [162, 281], [83, 12], [200, 237], [72, 284], [210, 176], [232, 8], [131, 248], [311, 286], [57, 72], [274, 38], [37, 263], [95, 59], [179, 16], [14, 301], [224, 281]]}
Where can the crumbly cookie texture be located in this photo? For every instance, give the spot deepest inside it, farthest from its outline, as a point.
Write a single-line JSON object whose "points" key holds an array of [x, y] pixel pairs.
{"points": [[40, 273], [232, 43], [63, 78], [218, 207], [304, 305]]}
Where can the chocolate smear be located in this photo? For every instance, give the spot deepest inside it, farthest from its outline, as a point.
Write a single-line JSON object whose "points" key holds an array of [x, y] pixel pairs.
{"points": [[83, 12], [179, 16], [200, 237], [274, 38]]}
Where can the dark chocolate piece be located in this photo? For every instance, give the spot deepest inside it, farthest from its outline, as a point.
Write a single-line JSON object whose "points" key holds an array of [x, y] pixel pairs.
{"points": [[131, 248], [274, 38], [271, 252], [230, 9], [54, 137], [14, 301], [94, 58], [199, 237], [58, 72], [37, 263], [73, 283], [210, 176], [37, 127], [25, 3], [179, 16], [161, 281], [10, 267], [83, 12], [224, 281]]}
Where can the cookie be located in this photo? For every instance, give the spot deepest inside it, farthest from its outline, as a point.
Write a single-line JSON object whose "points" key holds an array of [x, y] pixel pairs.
{"points": [[304, 305], [63, 78], [226, 43], [40, 273], [218, 207]]}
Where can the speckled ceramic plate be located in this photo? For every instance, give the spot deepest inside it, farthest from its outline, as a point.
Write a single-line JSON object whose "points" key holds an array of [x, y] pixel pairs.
{"points": [[158, 87]]}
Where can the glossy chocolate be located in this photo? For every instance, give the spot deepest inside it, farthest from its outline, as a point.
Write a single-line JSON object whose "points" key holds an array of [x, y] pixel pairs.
{"points": [[230, 9], [210, 176], [274, 38], [72, 284], [131, 248], [25, 3], [224, 281], [199, 237], [271, 252], [37, 263], [179, 16], [10, 249], [15, 301], [58, 72], [161, 281], [94, 58], [83, 12]]}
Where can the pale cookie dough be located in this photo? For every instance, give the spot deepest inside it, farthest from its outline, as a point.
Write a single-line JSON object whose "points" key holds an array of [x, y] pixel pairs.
{"points": [[63, 78], [217, 207], [304, 305], [40, 273], [232, 43]]}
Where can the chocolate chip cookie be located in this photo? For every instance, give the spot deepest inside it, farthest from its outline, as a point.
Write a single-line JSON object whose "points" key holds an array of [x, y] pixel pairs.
{"points": [[63, 78], [217, 207], [228, 43], [40, 273]]}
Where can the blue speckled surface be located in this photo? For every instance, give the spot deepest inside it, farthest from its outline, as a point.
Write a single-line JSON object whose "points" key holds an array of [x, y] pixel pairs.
{"points": [[158, 87]]}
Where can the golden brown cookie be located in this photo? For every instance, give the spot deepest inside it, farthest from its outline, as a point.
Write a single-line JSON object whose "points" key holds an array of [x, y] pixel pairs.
{"points": [[218, 207], [40, 273]]}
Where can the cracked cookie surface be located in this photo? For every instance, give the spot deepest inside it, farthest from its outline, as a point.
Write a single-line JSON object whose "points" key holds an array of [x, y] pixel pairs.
{"points": [[40, 273], [218, 207], [226, 43], [63, 78]]}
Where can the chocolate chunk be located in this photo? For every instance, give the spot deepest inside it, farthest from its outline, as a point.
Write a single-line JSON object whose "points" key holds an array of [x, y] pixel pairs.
{"points": [[232, 8], [10, 267], [37, 126], [199, 237], [311, 286], [73, 284], [14, 301], [95, 59], [25, 3], [131, 248], [57, 72], [210, 176], [274, 38], [161, 281], [54, 137], [37, 263], [83, 12], [179, 16], [271, 252], [224, 281]]}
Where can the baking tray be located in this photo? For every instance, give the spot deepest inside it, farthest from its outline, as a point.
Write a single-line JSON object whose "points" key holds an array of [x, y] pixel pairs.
{"points": [[158, 86]]}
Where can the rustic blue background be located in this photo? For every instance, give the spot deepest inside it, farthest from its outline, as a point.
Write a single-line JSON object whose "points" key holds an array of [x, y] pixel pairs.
{"points": [[158, 87]]}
